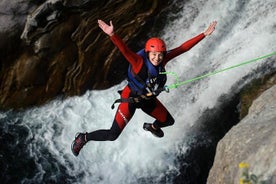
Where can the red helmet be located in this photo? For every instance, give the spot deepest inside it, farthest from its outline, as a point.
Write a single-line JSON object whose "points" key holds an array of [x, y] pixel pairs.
{"points": [[155, 44]]}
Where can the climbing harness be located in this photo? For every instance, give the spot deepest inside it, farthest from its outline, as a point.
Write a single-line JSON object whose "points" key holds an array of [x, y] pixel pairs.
{"points": [[139, 98]]}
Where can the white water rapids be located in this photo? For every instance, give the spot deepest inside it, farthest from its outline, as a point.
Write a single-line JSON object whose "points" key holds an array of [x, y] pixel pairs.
{"points": [[245, 30]]}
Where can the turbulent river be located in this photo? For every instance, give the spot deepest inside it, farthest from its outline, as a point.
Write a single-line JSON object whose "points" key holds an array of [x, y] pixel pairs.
{"points": [[35, 143]]}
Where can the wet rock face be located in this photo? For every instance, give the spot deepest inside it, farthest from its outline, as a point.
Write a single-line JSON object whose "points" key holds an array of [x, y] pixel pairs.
{"points": [[49, 48], [252, 141]]}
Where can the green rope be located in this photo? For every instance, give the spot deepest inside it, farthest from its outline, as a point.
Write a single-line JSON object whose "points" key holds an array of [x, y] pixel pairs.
{"points": [[177, 83]]}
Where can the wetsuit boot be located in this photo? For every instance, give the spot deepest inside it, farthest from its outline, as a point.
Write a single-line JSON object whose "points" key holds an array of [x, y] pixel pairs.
{"points": [[156, 131], [78, 143]]}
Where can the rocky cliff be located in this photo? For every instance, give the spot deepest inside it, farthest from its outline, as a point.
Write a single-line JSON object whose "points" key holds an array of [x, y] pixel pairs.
{"points": [[251, 144], [49, 48]]}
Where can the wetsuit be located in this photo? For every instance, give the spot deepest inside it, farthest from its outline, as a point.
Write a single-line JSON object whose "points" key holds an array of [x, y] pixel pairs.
{"points": [[152, 106]]}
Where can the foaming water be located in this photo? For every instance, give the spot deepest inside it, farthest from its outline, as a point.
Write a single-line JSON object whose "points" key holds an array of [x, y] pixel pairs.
{"points": [[245, 30], [238, 37], [134, 155]]}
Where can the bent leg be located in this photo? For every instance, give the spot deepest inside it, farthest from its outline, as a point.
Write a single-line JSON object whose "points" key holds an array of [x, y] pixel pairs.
{"points": [[123, 115], [158, 111]]}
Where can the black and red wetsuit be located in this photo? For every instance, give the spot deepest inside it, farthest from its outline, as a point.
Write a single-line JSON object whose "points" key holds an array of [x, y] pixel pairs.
{"points": [[153, 106]]}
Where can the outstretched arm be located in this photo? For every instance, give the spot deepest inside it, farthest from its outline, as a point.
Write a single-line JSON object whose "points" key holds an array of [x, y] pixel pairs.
{"points": [[134, 59], [190, 43]]}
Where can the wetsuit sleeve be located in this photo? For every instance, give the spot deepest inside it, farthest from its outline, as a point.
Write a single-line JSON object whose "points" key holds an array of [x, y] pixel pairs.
{"points": [[184, 47], [134, 59]]}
